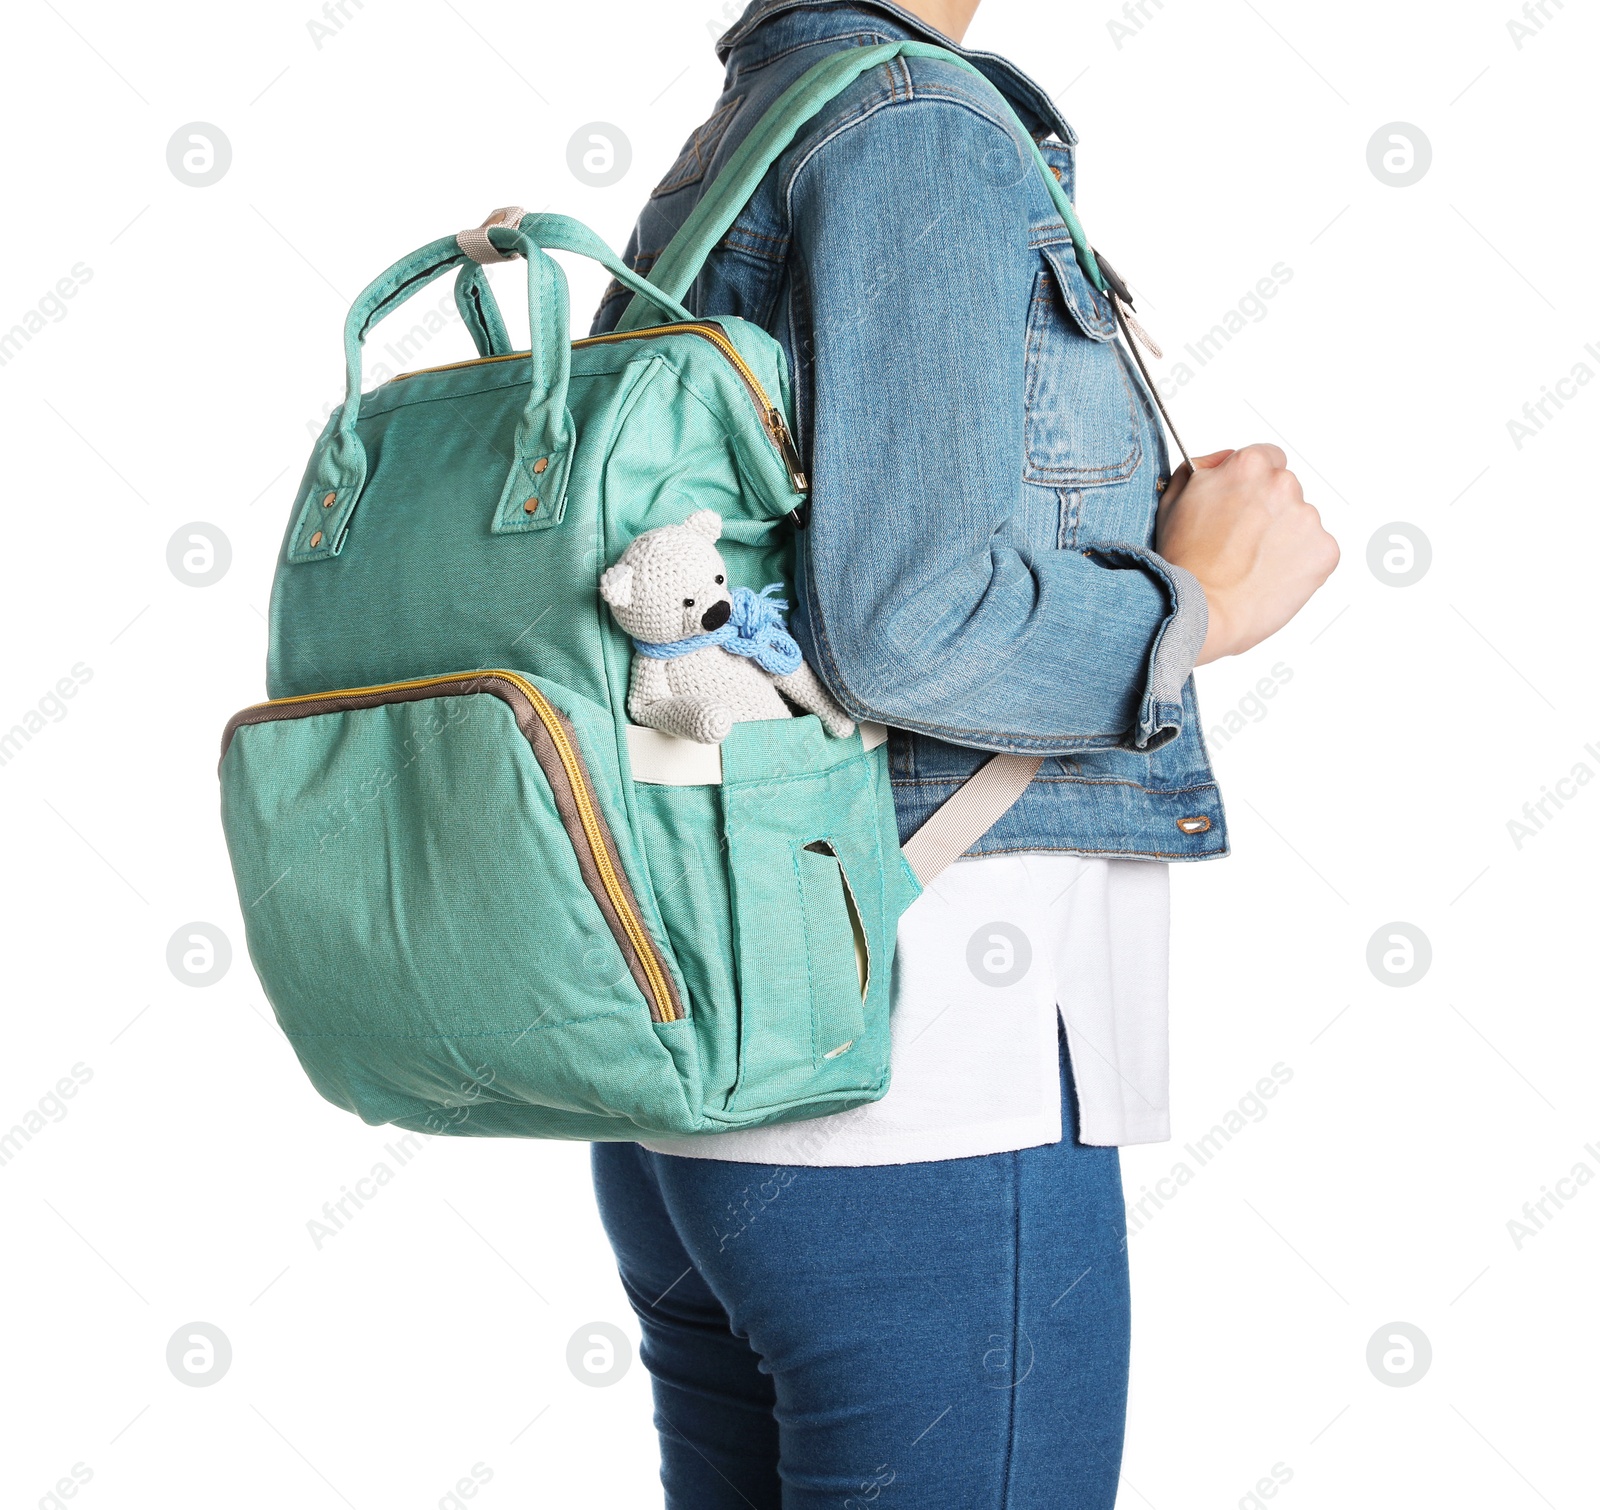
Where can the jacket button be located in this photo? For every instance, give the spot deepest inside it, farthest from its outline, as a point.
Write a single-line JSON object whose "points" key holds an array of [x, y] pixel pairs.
{"points": [[327, 502], [316, 540], [531, 506], [541, 464]]}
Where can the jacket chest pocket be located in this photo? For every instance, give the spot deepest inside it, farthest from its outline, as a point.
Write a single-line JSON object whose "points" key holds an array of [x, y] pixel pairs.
{"points": [[1082, 427]]}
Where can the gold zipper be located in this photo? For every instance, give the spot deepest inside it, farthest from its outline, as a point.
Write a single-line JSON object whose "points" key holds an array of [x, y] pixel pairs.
{"points": [[771, 415], [593, 827]]}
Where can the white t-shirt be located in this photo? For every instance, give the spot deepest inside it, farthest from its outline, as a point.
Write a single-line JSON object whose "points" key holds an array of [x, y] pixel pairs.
{"points": [[986, 959]]}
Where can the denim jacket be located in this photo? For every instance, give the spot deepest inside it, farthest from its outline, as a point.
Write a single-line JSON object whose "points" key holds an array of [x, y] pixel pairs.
{"points": [[976, 569]]}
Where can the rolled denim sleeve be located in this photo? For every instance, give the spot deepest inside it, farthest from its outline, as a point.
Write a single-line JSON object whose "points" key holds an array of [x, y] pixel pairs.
{"points": [[925, 600]]}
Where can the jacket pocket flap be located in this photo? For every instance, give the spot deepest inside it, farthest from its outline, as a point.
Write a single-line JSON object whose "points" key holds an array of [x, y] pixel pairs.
{"points": [[1091, 309]]}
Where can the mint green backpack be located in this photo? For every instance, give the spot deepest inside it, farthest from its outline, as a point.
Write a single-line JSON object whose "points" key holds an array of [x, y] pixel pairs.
{"points": [[479, 900]]}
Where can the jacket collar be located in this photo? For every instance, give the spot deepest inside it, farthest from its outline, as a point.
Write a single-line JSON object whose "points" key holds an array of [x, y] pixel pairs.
{"points": [[848, 15]]}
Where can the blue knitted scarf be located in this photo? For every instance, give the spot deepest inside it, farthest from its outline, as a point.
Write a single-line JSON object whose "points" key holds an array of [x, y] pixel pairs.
{"points": [[755, 629]]}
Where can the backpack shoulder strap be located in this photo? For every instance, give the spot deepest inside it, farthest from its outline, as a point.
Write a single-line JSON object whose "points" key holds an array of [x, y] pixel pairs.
{"points": [[965, 816], [679, 264]]}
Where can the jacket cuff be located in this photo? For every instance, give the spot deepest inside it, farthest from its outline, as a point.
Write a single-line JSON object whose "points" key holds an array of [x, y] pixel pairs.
{"points": [[1175, 650]]}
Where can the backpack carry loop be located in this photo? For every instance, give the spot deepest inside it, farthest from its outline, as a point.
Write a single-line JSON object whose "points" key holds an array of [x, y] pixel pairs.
{"points": [[679, 264], [544, 437]]}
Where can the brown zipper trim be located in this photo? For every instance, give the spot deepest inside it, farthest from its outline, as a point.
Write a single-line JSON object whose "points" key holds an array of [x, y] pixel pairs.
{"points": [[546, 729]]}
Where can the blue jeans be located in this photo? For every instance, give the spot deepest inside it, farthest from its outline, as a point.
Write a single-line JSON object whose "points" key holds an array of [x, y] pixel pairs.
{"points": [[941, 1336]]}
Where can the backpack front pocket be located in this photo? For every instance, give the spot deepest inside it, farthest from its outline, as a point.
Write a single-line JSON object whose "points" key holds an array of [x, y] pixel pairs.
{"points": [[440, 912]]}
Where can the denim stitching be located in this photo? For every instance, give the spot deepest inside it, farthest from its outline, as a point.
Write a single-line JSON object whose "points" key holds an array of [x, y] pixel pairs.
{"points": [[701, 147], [979, 852], [854, 39], [864, 111], [954, 782], [779, 238], [1104, 323], [1040, 309]]}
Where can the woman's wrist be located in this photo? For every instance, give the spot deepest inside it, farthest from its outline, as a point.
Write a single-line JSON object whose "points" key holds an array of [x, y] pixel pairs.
{"points": [[1219, 638]]}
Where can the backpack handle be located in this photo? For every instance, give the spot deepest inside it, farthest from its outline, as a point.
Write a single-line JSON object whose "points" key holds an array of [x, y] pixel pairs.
{"points": [[480, 313], [542, 450], [675, 270]]}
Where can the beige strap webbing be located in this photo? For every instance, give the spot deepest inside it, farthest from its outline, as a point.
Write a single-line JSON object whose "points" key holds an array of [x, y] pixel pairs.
{"points": [[983, 799], [476, 244]]}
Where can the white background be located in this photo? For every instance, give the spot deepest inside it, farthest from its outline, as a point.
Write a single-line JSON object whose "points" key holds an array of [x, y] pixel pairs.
{"points": [[183, 382]]}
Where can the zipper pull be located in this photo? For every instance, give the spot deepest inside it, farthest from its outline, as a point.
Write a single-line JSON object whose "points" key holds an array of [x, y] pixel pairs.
{"points": [[787, 449], [1122, 298]]}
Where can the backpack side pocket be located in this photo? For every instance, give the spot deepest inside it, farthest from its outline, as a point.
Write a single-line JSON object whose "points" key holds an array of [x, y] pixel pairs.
{"points": [[813, 928]]}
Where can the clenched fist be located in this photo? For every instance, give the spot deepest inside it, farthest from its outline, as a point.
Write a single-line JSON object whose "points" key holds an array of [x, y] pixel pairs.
{"points": [[1240, 523]]}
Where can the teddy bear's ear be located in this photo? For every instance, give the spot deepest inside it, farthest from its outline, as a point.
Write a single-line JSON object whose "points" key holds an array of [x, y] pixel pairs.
{"points": [[707, 522], [616, 585]]}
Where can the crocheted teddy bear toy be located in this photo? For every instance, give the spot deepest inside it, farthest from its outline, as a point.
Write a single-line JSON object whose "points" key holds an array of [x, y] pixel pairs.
{"points": [[706, 656]]}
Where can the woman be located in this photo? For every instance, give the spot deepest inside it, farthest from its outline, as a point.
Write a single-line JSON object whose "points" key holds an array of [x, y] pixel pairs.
{"points": [[924, 1303]]}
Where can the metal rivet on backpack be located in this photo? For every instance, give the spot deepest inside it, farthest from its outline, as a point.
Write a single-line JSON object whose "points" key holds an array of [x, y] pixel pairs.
{"points": [[327, 502], [1194, 825], [531, 506], [316, 540], [541, 464]]}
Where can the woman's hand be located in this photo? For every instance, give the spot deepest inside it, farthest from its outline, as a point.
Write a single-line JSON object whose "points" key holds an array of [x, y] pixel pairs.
{"points": [[1241, 525]]}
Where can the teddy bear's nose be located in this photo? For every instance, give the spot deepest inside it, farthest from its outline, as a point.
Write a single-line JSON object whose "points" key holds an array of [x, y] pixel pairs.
{"points": [[717, 615]]}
